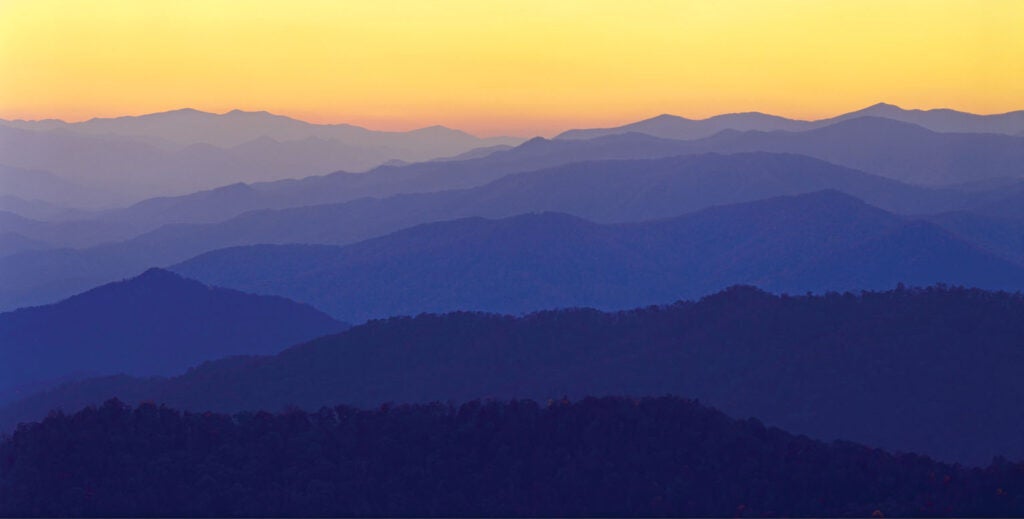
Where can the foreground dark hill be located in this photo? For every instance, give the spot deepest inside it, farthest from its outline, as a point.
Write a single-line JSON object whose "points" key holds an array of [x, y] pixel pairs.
{"points": [[155, 324], [604, 191], [815, 242], [594, 458], [934, 371]]}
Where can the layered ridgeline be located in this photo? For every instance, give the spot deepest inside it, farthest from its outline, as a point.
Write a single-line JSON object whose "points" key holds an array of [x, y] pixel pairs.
{"points": [[596, 457], [155, 324], [613, 190], [35, 193], [186, 150], [897, 150], [879, 146], [939, 120], [166, 153], [605, 191], [816, 242], [180, 128], [893, 149], [933, 371]]}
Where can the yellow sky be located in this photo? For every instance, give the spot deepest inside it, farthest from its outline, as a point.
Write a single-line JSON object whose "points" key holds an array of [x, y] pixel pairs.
{"points": [[521, 67]]}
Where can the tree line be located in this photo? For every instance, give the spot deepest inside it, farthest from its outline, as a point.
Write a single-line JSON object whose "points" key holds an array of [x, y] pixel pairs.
{"points": [[610, 456]]}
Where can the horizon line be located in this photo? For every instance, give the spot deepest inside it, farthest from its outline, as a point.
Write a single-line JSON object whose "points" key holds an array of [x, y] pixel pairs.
{"points": [[499, 134]]}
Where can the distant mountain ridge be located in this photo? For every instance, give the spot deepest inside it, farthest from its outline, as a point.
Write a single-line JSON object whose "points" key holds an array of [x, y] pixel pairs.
{"points": [[884, 147], [176, 152], [815, 242], [894, 149], [40, 210], [182, 151], [669, 126], [603, 191], [945, 120], [869, 144], [187, 126], [939, 120], [43, 187], [960, 163]]}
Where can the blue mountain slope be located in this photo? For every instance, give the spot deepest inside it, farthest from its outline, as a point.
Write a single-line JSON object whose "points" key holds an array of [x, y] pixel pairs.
{"points": [[605, 191], [819, 241], [155, 324], [933, 371]]}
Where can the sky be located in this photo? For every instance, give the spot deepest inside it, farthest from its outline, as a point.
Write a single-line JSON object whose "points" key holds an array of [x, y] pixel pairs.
{"points": [[495, 67]]}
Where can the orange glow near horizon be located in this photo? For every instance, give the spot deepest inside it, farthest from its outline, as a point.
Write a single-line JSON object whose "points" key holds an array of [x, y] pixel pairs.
{"points": [[521, 67]]}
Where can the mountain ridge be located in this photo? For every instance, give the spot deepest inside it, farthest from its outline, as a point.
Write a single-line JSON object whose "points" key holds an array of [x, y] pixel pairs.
{"points": [[100, 125], [936, 365], [605, 191], [938, 119], [155, 323], [542, 260]]}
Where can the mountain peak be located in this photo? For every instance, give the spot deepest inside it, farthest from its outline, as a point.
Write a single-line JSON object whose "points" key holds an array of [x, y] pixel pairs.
{"points": [[157, 323], [737, 295], [667, 117], [882, 108], [237, 187], [179, 111], [534, 142], [236, 111], [874, 122], [746, 116], [155, 274], [438, 129], [176, 113]]}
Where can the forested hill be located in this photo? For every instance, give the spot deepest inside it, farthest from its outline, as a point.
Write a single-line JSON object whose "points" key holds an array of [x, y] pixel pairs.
{"points": [[933, 371], [596, 457]]}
